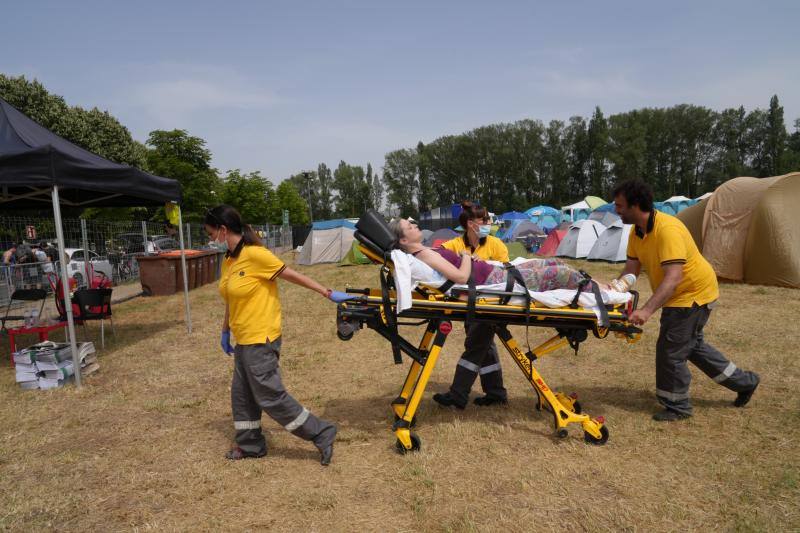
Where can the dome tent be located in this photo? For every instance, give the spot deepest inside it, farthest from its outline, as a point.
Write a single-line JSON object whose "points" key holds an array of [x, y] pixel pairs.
{"points": [[550, 244], [328, 242], [612, 244], [580, 238], [518, 229], [748, 230]]}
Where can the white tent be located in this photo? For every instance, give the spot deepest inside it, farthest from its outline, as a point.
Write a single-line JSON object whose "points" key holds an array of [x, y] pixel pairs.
{"points": [[580, 238], [606, 218], [612, 244], [678, 199], [703, 197], [328, 242]]}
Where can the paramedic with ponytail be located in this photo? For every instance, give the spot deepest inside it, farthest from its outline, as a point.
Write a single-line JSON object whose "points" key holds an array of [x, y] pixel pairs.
{"points": [[480, 352], [248, 285]]}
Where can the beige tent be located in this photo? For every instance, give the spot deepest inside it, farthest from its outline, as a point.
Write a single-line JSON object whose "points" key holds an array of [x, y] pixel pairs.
{"points": [[328, 242], [772, 253], [749, 230], [692, 217], [727, 219]]}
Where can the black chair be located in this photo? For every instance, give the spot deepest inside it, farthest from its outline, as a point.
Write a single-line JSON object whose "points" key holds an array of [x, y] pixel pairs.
{"points": [[95, 304], [23, 295]]}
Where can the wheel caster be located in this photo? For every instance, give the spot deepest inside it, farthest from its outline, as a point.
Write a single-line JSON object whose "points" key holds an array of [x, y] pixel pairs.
{"points": [[562, 433], [413, 420], [591, 439], [415, 445]]}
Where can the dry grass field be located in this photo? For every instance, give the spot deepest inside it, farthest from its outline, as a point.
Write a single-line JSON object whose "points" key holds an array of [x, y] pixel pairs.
{"points": [[140, 446]]}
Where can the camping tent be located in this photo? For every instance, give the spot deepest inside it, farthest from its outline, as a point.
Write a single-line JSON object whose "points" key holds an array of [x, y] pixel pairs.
{"points": [[727, 220], [38, 167], [513, 215], [612, 244], [550, 244], [440, 236], [577, 211], [748, 230], [354, 256], [704, 196], [513, 230], [544, 216], [604, 216], [772, 252], [674, 204], [328, 242], [580, 238], [692, 218], [594, 202]]}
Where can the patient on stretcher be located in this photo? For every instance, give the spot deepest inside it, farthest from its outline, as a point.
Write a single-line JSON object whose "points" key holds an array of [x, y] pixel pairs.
{"points": [[432, 265]]}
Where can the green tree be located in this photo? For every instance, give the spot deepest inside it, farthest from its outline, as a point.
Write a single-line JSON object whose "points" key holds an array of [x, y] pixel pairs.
{"points": [[250, 194], [177, 155], [288, 197], [775, 142], [597, 146], [400, 176]]}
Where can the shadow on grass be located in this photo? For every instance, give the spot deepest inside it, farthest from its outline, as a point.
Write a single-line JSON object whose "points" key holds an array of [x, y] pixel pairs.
{"points": [[630, 400], [125, 334]]}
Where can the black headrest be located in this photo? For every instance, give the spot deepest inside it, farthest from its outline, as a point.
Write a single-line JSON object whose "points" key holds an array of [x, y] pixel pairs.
{"points": [[373, 226]]}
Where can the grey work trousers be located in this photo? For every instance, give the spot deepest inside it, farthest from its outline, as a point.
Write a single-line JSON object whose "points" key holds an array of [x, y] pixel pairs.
{"points": [[257, 386], [479, 359], [681, 339]]}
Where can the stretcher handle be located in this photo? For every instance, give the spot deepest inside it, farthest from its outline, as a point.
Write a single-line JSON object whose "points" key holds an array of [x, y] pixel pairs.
{"points": [[351, 290]]}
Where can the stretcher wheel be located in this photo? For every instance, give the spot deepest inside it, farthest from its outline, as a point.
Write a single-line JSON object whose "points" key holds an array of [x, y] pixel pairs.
{"points": [[562, 433], [413, 420], [591, 439], [344, 337], [415, 445]]}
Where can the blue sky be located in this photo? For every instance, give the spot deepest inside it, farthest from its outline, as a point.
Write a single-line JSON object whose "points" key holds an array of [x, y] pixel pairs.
{"points": [[281, 86]]}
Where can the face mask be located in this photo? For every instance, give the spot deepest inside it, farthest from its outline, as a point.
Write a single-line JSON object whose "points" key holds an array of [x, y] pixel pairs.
{"points": [[484, 230], [223, 244]]}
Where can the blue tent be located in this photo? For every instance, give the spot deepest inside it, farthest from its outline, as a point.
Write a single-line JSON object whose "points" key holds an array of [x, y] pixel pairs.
{"points": [[330, 224], [674, 205], [544, 216], [513, 215]]}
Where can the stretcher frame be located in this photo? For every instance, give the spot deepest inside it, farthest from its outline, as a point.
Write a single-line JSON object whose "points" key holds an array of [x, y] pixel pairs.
{"points": [[375, 309]]}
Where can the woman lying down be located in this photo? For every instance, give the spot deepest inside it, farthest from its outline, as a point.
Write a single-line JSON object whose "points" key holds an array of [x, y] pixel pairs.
{"points": [[433, 265]]}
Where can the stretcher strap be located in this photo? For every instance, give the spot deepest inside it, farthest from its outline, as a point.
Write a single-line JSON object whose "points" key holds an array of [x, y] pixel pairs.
{"points": [[470, 299], [587, 280], [391, 319]]}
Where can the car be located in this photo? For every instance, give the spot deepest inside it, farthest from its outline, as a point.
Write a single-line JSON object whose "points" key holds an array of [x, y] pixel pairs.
{"points": [[133, 243], [76, 268]]}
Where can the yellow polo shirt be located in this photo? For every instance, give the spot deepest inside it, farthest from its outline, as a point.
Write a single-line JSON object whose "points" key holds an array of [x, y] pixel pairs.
{"points": [[249, 287], [667, 241], [490, 248]]}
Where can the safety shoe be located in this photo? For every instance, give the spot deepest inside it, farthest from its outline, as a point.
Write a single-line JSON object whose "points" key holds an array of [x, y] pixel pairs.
{"points": [[234, 454], [667, 415], [743, 397], [488, 400], [446, 400]]}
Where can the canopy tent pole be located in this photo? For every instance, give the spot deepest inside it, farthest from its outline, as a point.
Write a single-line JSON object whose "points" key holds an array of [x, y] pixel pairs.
{"points": [[187, 310], [86, 266], [76, 361]]}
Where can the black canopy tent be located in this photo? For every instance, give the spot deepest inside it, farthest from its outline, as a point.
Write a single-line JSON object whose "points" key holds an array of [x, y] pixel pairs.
{"points": [[38, 167]]}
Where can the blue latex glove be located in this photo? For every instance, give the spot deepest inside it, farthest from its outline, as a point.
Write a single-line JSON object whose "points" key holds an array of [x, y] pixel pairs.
{"points": [[225, 342], [339, 297]]}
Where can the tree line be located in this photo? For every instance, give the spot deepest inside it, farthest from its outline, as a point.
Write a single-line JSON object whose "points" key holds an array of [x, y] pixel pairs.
{"points": [[681, 150], [684, 149]]}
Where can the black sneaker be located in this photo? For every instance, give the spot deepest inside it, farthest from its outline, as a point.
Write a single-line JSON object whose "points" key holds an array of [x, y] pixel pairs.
{"points": [[236, 453], [743, 397], [488, 400], [326, 453], [667, 415], [447, 400]]}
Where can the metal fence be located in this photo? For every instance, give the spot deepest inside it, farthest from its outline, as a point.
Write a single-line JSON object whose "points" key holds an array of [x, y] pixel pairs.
{"points": [[110, 247]]}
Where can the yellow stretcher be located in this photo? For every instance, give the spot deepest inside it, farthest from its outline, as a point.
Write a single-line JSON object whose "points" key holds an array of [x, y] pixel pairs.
{"points": [[375, 309]]}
